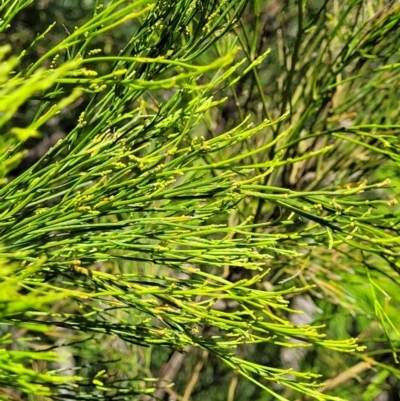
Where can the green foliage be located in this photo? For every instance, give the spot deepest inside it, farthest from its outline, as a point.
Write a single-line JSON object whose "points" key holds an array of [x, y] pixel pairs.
{"points": [[215, 174], [17, 365]]}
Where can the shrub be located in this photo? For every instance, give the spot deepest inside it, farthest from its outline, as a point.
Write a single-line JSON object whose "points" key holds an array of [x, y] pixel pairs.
{"points": [[208, 181]]}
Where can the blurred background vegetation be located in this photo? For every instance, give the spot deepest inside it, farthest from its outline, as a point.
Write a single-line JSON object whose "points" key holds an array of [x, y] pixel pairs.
{"points": [[332, 68]]}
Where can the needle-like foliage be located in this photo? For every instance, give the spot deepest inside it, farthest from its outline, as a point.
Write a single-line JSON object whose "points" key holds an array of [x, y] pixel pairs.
{"points": [[213, 175]]}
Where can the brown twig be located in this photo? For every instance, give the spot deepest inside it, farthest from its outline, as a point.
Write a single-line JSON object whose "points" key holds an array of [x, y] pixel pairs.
{"points": [[169, 372], [232, 387], [195, 376], [343, 377]]}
